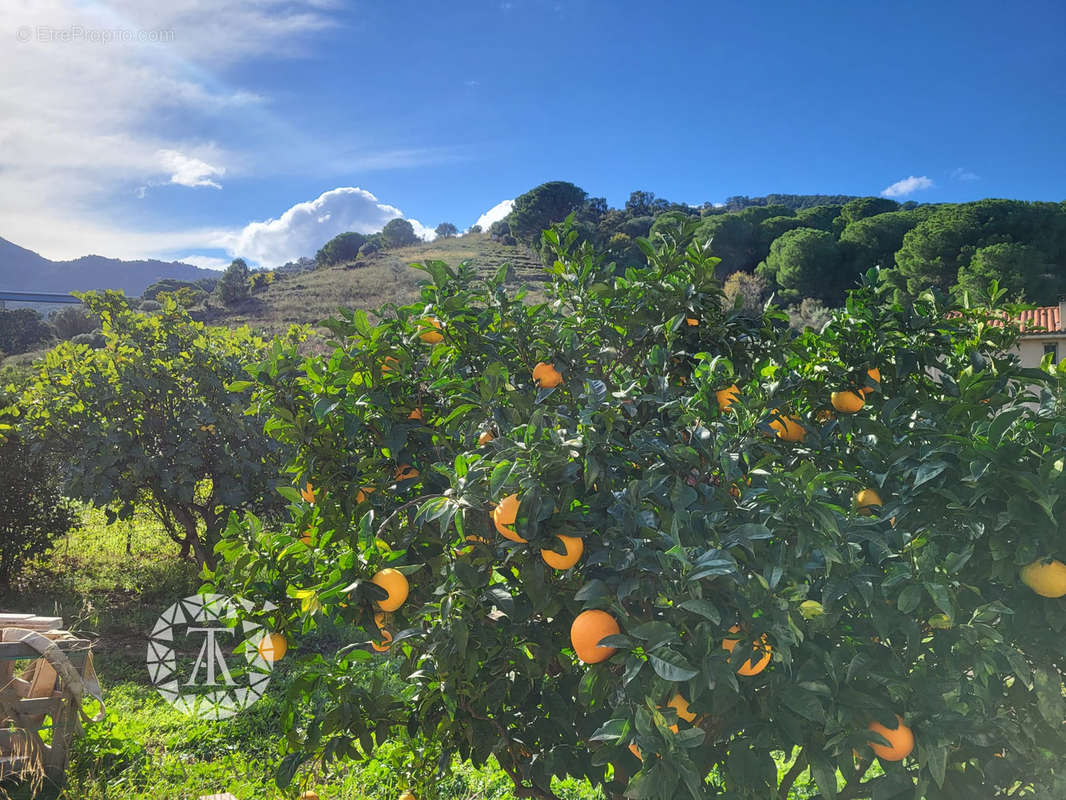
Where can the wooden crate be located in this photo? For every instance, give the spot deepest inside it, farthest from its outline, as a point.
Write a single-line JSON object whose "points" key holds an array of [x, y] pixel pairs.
{"points": [[21, 745]]}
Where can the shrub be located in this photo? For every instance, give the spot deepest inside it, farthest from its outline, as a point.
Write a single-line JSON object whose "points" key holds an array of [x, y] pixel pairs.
{"points": [[706, 466], [233, 285], [69, 321], [22, 329], [150, 418], [33, 512], [399, 233], [340, 249], [94, 339]]}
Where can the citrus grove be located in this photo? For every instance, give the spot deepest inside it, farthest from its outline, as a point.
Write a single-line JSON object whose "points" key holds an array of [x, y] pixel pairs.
{"points": [[673, 548]]}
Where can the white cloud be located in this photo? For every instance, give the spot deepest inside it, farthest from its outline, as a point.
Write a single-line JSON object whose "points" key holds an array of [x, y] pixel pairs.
{"points": [[84, 122], [188, 171], [963, 174], [207, 262], [494, 214], [305, 227], [907, 186]]}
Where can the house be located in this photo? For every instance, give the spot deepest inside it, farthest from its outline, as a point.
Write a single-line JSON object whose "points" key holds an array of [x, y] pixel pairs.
{"points": [[1043, 331]]}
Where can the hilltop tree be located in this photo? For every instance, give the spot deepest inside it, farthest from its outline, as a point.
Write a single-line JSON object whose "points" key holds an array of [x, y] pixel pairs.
{"points": [[805, 263], [1021, 270], [540, 207], [149, 419], [341, 249], [446, 230], [399, 233], [863, 207], [233, 286]]}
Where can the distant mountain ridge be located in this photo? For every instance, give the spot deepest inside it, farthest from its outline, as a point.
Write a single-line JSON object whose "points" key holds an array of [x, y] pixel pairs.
{"points": [[23, 270]]}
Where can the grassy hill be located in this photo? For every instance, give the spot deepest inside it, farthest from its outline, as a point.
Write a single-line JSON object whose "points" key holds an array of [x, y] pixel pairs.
{"points": [[307, 297]]}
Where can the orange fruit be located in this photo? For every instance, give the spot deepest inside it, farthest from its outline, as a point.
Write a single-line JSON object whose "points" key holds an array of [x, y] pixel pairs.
{"points": [[308, 494], [574, 548], [546, 375], [588, 628], [384, 644], [485, 438], [726, 397], [875, 375], [503, 517], [405, 472], [866, 500], [416, 415], [748, 668], [306, 538], [788, 429], [273, 647], [407, 796], [1046, 577], [431, 330], [309, 795], [847, 402], [395, 583], [900, 738], [692, 321], [680, 705], [361, 495]]}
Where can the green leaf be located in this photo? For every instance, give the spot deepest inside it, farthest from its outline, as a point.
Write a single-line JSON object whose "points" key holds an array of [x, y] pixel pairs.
{"points": [[704, 608], [671, 666], [909, 598], [805, 704]]}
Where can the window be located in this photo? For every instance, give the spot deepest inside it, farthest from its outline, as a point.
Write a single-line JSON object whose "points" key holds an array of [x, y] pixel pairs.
{"points": [[1053, 348]]}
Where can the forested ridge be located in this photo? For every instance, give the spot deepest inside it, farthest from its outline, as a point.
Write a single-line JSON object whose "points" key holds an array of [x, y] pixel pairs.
{"points": [[815, 246]]}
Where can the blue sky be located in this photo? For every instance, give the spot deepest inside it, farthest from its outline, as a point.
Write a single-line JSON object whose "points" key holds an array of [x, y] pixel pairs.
{"points": [[196, 144]]}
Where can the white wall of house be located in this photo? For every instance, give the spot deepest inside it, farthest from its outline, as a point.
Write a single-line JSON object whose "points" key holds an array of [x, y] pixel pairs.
{"points": [[1031, 349]]}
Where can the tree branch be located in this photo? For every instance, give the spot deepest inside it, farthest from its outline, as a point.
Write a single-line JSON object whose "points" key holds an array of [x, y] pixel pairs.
{"points": [[790, 777]]}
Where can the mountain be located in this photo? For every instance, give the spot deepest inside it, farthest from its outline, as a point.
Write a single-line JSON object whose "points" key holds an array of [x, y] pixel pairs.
{"points": [[23, 270]]}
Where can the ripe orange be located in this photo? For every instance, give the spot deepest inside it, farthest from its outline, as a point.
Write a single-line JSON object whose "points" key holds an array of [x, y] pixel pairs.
{"points": [[395, 583], [503, 517], [901, 740], [588, 628], [405, 472], [680, 705], [416, 415], [788, 429], [546, 375], [361, 495], [407, 796], [574, 545], [306, 538], [485, 438], [726, 397], [431, 330], [749, 669], [1046, 577], [384, 644], [866, 500], [309, 795], [847, 402], [273, 647], [875, 375], [692, 321]]}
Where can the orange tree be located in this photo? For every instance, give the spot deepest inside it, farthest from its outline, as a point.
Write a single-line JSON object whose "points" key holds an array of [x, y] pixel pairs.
{"points": [[802, 554]]}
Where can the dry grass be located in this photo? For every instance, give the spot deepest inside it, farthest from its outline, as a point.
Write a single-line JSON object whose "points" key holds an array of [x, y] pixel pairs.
{"points": [[369, 284]]}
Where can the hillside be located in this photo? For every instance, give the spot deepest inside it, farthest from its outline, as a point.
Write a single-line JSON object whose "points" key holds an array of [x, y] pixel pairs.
{"points": [[25, 270], [307, 297]]}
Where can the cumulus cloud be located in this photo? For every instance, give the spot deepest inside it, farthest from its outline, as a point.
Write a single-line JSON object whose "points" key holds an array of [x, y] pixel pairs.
{"points": [[963, 174], [907, 186], [206, 262], [495, 214], [188, 171], [305, 227]]}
